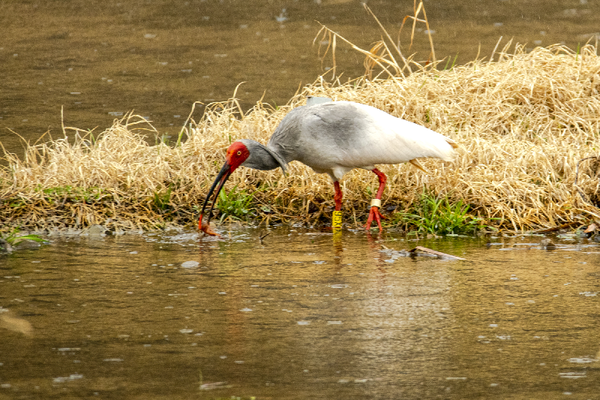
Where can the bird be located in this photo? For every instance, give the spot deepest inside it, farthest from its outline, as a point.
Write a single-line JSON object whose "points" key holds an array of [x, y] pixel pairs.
{"points": [[335, 137]]}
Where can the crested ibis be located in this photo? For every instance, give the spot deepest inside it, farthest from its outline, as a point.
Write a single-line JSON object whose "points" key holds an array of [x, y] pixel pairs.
{"points": [[334, 138]]}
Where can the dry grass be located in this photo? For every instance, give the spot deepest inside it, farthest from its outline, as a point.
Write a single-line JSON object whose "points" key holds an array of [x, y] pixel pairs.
{"points": [[523, 122]]}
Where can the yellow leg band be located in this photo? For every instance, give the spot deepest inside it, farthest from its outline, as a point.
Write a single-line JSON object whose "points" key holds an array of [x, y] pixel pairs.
{"points": [[376, 203], [336, 220]]}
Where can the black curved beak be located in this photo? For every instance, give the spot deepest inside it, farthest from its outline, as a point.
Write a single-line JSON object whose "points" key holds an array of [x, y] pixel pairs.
{"points": [[220, 179]]}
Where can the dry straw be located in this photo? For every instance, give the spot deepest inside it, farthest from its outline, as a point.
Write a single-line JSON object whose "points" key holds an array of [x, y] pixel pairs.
{"points": [[523, 122]]}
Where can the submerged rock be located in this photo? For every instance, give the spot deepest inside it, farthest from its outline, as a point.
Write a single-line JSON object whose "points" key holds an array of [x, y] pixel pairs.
{"points": [[190, 264], [5, 247], [547, 244], [95, 230]]}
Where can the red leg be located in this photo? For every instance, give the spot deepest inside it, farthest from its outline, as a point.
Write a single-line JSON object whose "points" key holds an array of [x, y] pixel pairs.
{"points": [[338, 196], [382, 181], [374, 213]]}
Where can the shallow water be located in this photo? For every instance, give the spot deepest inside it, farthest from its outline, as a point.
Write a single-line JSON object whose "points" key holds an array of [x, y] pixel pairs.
{"points": [[97, 60], [303, 315]]}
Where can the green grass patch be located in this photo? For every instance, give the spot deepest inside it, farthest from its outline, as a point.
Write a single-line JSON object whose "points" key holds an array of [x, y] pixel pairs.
{"points": [[13, 238], [76, 194], [235, 204], [162, 200], [436, 215]]}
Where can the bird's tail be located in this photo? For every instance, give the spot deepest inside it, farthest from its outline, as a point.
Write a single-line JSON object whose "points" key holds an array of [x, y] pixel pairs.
{"points": [[446, 152], [447, 157]]}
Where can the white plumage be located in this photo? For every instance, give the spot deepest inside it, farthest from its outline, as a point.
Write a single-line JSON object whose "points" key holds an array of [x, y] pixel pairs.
{"points": [[337, 137]]}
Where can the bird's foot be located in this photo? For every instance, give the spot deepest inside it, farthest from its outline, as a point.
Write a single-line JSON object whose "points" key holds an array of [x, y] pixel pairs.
{"points": [[376, 215], [205, 227]]}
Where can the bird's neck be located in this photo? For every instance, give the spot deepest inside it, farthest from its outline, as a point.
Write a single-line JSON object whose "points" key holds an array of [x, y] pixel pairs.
{"points": [[261, 157]]}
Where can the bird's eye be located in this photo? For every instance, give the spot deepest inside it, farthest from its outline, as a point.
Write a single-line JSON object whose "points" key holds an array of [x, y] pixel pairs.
{"points": [[239, 153]]}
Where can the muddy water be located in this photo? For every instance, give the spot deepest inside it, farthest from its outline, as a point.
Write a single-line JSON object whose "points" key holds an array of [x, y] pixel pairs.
{"points": [[98, 60], [301, 316]]}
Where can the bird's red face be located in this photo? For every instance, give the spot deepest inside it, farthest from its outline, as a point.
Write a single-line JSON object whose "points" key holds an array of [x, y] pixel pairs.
{"points": [[237, 153]]}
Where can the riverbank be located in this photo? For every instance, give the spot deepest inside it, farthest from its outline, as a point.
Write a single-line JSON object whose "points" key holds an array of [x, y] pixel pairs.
{"points": [[524, 123]]}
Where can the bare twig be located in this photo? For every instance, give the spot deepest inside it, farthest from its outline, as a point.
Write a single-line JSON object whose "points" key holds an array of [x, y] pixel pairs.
{"points": [[260, 238]]}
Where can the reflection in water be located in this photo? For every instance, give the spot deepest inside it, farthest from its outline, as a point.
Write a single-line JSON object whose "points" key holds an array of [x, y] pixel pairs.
{"points": [[304, 315]]}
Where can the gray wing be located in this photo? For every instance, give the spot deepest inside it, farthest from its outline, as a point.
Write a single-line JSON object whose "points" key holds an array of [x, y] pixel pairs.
{"points": [[350, 135]]}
